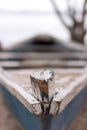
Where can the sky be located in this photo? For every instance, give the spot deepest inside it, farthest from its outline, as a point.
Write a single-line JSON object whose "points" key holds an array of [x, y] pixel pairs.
{"points": [[36, 5], [26, 5], [9, 24], [39, 5]]}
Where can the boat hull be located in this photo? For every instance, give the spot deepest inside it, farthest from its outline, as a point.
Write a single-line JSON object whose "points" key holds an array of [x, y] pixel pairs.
{"points": [[58, 122]]}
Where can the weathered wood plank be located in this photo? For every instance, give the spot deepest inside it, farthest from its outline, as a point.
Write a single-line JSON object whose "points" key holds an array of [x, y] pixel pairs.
{"points": [[37, 55], [66, 84], [27, 99], [43, 64], [42, 84], [67, 94], [59, 122]]}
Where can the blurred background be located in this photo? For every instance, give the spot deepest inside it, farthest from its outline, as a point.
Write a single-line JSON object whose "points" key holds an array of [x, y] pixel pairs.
{"points": [[23, 19]]}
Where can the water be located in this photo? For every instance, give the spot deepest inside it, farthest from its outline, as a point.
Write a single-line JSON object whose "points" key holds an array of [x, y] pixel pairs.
{"points": [[18, 27]]}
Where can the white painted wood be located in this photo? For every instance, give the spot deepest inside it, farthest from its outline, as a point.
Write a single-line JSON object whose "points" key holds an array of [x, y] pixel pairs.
{"points": [[28, 100], [43, 64], [37, 55], [65, 96], [68, 83]]}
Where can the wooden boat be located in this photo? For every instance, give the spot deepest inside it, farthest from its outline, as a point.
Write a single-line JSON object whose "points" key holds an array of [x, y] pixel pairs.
{"points": [[44, 90], [43, 60], [41, 43], [72, 92]]}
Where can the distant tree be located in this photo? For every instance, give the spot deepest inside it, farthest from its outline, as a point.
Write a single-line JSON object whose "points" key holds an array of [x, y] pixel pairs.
{"points": [[77, 30]]}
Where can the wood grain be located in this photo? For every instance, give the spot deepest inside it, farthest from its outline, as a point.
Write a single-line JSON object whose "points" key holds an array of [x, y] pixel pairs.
{"points": [[67, 85]]}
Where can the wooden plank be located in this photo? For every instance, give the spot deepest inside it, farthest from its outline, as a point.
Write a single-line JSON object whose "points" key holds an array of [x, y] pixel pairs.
{"points": [[28, 55], [70, 86], [65, 85], [59, 122], [27, 99], [57, 70], [66, 96], [43, 64]]}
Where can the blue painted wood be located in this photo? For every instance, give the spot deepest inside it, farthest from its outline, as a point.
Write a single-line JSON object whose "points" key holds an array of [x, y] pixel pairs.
{"points": [[58, 122], [33, 46]]}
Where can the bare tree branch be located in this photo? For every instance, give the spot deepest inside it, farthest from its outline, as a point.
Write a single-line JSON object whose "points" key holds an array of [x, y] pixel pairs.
{"points": [[71, 11], [69, 8], [85, 31], [77, 30], [59, 14], [84, 12]]}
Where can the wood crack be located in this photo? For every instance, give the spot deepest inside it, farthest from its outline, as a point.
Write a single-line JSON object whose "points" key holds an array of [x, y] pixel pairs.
{"points": [[43, 90]]}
